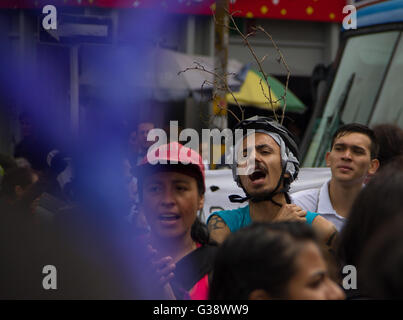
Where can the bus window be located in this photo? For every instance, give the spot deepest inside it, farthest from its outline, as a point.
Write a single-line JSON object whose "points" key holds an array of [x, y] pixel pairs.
{"points": [[389, 107], [360, 73]]}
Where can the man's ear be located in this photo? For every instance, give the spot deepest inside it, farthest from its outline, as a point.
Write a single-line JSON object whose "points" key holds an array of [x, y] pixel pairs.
{"points": [[373, 166], [259, 294], [327, 159], [287, 175]]}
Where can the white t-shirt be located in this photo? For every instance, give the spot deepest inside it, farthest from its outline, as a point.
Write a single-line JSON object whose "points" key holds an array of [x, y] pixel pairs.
{"points": [[318, 200]]}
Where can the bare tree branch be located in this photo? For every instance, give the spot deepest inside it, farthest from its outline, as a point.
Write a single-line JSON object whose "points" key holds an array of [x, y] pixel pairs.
{"points": [[225, 88], [282, 60], [264, 76], [254, 55]]}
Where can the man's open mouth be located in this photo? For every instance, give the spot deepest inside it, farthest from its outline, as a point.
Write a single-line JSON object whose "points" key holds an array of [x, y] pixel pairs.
{"points": [[257, 175]]}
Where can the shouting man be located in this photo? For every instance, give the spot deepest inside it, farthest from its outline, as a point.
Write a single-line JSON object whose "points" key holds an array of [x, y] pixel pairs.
{"points": [[264, 168]]}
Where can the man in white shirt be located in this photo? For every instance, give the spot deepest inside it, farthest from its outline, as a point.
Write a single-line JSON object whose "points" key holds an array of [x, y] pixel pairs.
{"points": [[352, 159]]}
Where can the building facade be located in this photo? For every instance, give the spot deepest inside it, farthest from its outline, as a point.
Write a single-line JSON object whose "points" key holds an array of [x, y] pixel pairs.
{"points": [[306, 31]]}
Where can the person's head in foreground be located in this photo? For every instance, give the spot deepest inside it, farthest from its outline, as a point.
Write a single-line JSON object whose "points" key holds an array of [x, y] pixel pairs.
{"points": [[272, 261], [384, 280], [379, 202]]}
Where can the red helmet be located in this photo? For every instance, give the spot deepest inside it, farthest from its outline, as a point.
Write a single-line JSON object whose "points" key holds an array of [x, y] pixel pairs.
{"points": [[174, 157]]}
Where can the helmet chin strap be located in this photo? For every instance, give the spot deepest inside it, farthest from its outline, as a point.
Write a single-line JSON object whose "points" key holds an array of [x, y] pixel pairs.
{"points": [[267, 197]]}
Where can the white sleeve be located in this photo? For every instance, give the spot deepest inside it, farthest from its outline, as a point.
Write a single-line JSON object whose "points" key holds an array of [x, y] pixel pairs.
{"points": [[306, 199]]}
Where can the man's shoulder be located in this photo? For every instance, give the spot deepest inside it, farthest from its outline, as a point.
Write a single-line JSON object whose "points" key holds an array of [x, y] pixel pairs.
{"points": [[308, 193], [237, 211], [234, 219], [230, 216], [306, 199]]}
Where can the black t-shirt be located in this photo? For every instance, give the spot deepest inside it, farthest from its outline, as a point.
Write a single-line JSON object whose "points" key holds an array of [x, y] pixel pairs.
{"points": [[192, 268]]}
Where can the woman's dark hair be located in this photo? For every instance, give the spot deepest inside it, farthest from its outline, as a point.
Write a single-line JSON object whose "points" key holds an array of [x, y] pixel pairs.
{"points": [[200, 233], [377, 203], [261, 256], [384, 280], [390, 139]]}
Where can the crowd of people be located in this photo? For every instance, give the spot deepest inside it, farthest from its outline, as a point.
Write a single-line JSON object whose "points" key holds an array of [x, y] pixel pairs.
{"points": [[277, 246]]}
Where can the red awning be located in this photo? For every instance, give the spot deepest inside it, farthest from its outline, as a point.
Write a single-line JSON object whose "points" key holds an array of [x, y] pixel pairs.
{"points": [[311, 10]]}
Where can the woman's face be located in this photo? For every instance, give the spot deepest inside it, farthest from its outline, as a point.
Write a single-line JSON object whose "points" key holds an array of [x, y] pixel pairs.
{"points": [[311, 280], [171, 201]]}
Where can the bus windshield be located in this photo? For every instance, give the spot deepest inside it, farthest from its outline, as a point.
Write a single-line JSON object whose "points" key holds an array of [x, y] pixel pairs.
{"points": [[358, 86], [389, 107]]}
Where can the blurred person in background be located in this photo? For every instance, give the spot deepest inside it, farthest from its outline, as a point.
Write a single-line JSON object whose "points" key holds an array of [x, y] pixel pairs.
{"points": [[384, 280], [137, 147], [32, 147], [390, 139], [378, 203], [394, 164], [14, 191], [6, 163], [138, 144], [273, 261], [18, 236], [87, 241]]}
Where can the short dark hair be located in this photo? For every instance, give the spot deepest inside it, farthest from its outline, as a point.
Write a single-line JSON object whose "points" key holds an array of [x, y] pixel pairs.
{"points": [[358, 128], [261, 256]]}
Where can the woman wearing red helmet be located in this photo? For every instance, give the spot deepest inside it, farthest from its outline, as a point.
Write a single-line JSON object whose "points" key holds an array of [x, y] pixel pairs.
{"points": [[172, 190]]}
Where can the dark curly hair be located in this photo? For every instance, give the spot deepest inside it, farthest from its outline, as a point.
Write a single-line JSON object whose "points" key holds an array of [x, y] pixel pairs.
{"points": [[261, 256]]}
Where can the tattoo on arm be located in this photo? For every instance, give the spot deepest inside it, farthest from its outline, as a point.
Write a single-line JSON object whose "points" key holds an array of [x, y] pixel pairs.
{"points": [[216, 223]]}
